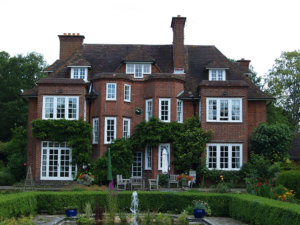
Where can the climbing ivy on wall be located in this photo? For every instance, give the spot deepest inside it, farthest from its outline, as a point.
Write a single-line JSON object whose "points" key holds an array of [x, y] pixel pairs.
{"points": [[77, 133]]}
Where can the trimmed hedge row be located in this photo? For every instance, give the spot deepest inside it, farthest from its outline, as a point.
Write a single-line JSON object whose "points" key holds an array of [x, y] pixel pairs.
{"points": [[248, 208], [291, 180], [15, 205]]}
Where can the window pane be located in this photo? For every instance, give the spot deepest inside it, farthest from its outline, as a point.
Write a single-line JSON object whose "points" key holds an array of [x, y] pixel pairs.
{"points": [[130, 68], [224, 157], [235, 109], [164, 110], [72, 108], [147, 68], [60, 108], [49, 108], [212, 157], [179, 111], [224, 110], [148, 109], [82, 73], [138, 70], [76, 72], [235, 157], [213, 75], [220, 74], [212, 109]]}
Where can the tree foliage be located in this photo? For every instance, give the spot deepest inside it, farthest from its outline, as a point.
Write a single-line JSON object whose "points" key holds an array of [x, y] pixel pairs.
{"points": [[189, 144], [257, 80], [276, 114], [17, 74], [77, 133], [283, 83], [272, 141]]}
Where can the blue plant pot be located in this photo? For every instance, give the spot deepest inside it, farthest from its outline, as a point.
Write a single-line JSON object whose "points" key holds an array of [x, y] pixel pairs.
{"points": [[71, 212], [199, 213]]}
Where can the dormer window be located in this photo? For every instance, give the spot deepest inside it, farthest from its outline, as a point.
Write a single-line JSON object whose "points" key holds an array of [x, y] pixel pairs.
{"points": [[79, 73], [138, 69], [218, 74]]}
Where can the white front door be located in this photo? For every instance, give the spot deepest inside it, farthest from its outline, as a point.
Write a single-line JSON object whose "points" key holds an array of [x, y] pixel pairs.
{"points": [[137, 164], [55, 161]]}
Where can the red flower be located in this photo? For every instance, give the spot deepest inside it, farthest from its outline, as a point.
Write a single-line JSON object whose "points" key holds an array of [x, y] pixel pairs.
{"points": [[24, 164]]}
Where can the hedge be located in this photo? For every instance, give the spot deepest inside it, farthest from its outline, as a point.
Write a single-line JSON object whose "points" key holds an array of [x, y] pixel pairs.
{"points": [[15, 205], [248, 208], [290, 180]]}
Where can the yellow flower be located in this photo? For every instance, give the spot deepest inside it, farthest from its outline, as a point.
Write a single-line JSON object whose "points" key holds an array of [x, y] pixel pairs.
{"points": [[284, 196], [221, 176], [291, 190], [285, 189]]}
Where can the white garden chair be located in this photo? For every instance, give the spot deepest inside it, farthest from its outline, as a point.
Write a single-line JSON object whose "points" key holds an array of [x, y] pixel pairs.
{"points": [[153, 182]]}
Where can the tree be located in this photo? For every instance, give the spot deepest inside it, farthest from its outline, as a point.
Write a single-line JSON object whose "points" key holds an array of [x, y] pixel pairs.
{"points": [[276, 114], [283, 83], [273, 141], [255, 78], [17, 74]]}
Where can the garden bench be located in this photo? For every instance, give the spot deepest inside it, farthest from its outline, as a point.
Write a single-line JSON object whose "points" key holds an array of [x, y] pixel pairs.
{"points": [[173, 179], [137, 181], [153, 182], [122, 182]]}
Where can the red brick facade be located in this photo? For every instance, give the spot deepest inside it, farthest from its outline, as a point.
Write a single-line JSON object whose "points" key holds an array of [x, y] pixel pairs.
{"points": [[192, 87]]}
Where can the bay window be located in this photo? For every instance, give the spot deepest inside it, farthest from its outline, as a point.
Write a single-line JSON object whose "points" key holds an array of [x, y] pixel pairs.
{"points": [[165, 109], [110, 132], [179, 111], [111, 91], [95, 130], [148, 157], [149, 109], [126, 128]]}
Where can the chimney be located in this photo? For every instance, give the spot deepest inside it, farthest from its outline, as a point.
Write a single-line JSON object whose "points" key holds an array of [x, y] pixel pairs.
{"points": [[69, 44], [178, 43], [245, 63]]}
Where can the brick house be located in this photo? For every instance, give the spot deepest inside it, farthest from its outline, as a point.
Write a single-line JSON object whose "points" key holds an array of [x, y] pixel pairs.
{"points": [[114, 87]]}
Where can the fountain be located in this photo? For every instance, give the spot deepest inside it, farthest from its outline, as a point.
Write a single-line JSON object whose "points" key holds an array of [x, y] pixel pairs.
{"points": [[134, 206]]}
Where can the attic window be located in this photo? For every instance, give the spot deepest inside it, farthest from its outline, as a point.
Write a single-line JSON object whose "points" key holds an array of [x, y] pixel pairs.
{"points": [[79, 73], [217, 74], [138, 69]]}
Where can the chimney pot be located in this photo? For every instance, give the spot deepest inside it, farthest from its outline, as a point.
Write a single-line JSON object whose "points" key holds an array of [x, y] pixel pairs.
{"points": [[65, 33], [178, 15], [78, 34], [69, 33], [73, 34]]}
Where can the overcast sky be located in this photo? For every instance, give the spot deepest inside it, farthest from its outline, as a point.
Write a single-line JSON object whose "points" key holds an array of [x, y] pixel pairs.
{"points": [[255, 30]]}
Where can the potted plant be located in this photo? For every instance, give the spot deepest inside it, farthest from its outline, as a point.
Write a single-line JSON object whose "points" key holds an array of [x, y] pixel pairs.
{"points": [[199, 208], [71, 211], [183, 178]]}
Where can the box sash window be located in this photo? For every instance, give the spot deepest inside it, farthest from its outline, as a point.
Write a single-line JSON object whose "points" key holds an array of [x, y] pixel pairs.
{"points": [[165, 109], [224, 156], [179, 111], [126, 128], [148, 157], [149, 109], [127, 93], [110, 132], [95, 130], [111, 91]]}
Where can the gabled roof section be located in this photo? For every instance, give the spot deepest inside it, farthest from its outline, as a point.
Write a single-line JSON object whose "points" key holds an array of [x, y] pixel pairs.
{"points": [[79, 60], [216, 63], [54, 66], [138, 55]]}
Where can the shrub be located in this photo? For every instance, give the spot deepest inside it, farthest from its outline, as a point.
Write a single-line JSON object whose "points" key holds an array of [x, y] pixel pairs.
{"points": [[7, 179], [290, 180], [16, 165], [163, 180]]}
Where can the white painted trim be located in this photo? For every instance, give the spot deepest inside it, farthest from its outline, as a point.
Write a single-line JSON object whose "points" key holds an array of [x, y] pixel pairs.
{"points": [[94, 120], [55, 107], [105, 129], [127, 100], [180, 93], [146, 159], [223, 73], [229, 110], [58, 158], [146, 109], [84, 109], [229, 156], [128, 135], [181, 116], [169, 109], [217, 68], [79, 67], [111, 99], [160, 153]]}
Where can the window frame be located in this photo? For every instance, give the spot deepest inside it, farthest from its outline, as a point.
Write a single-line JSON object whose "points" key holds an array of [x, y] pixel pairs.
{"points": [[105, 129], [223, 74], [181, 115], [160, 155], [111, 99], [229, 110], [55, 107], [169, 109], [79, 67], [148, 148], [143, 70], [94, 135], [218, 157], [47, 159], [123, 132], [129, 94], [147, 118]]}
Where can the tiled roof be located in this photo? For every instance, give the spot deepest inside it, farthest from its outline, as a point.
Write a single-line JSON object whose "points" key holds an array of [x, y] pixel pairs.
{"points": [[105, 59], [216, 63], [226, 83], [79, 61], [55, 65], [295, 151], [60, 81], [32, 92], [138, 55], [146, 77]]}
